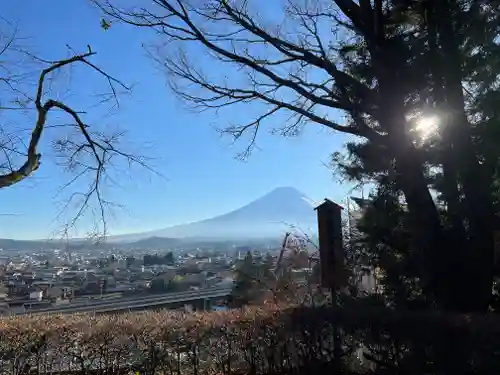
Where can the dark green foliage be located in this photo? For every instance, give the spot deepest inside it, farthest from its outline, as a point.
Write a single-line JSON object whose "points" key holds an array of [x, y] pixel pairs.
{"points": [[252, 280], [438, 47], [156, 259]]}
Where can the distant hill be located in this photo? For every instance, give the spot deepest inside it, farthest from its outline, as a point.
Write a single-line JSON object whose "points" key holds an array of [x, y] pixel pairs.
{"points": [[266, 217], [22, 245], [154, 242], [8, 244]]}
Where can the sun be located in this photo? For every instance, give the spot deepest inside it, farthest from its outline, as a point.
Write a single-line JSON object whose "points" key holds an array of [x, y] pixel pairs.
{"points": [[427, 127]]}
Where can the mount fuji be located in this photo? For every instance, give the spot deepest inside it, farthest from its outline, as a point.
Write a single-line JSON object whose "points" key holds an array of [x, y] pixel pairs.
{"points": [[266, 217]]}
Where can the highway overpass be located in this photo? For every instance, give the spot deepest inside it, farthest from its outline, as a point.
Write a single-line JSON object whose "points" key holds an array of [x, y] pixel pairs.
{"points": [[137, 303]]}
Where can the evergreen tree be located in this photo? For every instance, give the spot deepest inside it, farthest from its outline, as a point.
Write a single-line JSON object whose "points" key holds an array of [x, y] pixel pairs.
{"points": [[417, 81], [245, 287], [169, 258]]}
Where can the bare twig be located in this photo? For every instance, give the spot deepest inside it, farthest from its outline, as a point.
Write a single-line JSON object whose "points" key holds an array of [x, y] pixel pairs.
{"points": [[84, 151], [283, 69]]}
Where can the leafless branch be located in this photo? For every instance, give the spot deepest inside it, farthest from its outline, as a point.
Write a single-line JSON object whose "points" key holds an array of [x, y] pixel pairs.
{"points": [[282, 68], [80, 148]]}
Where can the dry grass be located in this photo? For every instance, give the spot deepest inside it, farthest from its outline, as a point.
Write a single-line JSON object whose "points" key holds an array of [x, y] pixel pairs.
{"points": [[260, 340], [133, 322]]}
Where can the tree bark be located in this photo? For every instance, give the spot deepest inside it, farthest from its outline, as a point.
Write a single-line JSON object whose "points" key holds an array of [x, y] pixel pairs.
{"points": [[475, 270], [410, 174]]}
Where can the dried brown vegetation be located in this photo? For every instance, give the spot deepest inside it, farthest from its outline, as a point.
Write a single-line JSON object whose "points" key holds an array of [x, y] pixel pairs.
{"points": [[264, 340]]}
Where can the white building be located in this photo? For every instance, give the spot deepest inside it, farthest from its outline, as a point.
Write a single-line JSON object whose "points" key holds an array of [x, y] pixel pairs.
{"points": [[36, 295]]}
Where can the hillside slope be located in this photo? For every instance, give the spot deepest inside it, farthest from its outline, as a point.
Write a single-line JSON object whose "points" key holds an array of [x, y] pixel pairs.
{"points": [[265, 217]]}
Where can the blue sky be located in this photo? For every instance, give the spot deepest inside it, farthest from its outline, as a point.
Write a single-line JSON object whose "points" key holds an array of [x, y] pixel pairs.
{"points": [[202, 176]]}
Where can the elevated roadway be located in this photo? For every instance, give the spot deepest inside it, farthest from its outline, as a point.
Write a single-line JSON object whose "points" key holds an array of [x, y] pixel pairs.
{"points": [[137, 303]]}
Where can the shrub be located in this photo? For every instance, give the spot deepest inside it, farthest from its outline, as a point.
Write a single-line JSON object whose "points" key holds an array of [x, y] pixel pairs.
{"points": [[267, 340]]}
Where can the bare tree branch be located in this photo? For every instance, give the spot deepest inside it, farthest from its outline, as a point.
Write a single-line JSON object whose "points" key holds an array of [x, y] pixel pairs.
{"points": [[33, 158], [284, 69], [80, 148]]}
